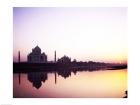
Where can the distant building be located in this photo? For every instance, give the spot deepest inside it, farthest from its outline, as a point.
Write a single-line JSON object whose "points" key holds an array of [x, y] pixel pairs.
{"points": [[64, 59], [36, 56]]}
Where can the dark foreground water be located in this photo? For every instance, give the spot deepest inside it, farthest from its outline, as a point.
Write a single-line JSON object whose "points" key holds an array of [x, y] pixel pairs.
{"points": [[88, 84]]}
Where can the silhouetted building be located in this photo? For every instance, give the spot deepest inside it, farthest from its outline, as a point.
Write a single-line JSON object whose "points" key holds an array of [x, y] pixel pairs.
{"points": [[125, 94], [36, 56], [64, 59], [74, 60]]}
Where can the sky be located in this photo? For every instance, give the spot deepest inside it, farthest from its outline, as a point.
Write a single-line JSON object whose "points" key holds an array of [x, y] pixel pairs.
{"points": [[82, 33]]}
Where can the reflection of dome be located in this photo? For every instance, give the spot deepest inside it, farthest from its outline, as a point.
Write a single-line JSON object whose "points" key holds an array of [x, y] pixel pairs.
{"points": [[64, 73], [37, 78], [37, 84]]}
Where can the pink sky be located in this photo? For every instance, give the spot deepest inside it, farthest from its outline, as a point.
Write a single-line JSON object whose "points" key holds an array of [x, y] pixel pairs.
{"points": [[83, 33]]}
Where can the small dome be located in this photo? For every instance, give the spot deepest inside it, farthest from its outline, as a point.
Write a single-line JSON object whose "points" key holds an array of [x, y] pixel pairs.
{"points": [[43, 54]]}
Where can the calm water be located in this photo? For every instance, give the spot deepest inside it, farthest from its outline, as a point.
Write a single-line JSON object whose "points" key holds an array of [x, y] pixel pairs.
{"points": [[95, 84]]}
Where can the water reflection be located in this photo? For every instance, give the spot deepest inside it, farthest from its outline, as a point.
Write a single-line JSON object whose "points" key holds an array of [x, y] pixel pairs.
{"points": [[55, 77], [19, 78], [71, 83], [36, 78], [64, 73]]}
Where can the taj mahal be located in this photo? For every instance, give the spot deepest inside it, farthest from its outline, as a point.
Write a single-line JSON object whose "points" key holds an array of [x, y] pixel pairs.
{"points": [[36, 56]]}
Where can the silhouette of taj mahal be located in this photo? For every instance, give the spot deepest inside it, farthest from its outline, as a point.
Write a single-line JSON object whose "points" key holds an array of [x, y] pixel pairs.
{"points": [[36, 56]]}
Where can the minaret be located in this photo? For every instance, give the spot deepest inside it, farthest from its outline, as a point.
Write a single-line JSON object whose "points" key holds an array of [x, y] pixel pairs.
{"points": [[19, 62], [55, 71], [19, 78], [55, 56], [19, 57]]}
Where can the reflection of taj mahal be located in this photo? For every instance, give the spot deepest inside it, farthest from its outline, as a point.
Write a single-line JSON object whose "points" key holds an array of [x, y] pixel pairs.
{"points": [[36, 56]]}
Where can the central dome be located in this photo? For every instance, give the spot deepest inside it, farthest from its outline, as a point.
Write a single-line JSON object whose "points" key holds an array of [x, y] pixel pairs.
{"points": [[37, 48]]}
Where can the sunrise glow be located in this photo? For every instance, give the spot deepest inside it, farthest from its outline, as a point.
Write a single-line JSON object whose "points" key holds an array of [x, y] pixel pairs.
{"points": [[82, 33]]}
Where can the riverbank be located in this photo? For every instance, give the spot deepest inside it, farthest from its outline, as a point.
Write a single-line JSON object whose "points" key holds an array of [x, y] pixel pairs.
{"points": [[50, 67]]}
